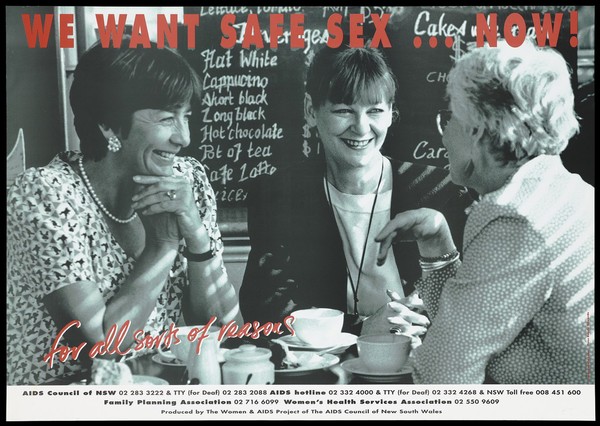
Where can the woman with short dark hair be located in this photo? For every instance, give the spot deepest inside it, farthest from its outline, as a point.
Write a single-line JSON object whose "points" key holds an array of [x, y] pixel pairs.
{"points": [[125, 230]]}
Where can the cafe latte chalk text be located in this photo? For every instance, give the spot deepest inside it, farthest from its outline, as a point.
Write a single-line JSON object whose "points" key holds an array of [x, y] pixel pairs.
{"points": [[116, 335]]}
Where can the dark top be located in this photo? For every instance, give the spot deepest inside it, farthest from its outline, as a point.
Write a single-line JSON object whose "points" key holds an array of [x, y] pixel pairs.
{"points": [[297, 258]]}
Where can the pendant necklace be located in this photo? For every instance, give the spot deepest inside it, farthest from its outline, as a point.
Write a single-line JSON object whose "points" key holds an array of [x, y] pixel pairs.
{"points": [[362, 259]]}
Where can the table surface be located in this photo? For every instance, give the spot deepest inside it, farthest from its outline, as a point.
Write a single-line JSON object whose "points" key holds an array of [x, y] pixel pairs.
{"points": [[177, 374]]}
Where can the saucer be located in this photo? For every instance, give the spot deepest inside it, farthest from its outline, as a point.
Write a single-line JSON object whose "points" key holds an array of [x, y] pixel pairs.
{"points": [[319, 363], [148, 380], [171, 363], [356, 367], [342, 342]]}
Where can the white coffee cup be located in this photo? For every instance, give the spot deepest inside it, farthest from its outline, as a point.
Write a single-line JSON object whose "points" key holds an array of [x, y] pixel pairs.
{"points": [[384, 353], [318, 327]]}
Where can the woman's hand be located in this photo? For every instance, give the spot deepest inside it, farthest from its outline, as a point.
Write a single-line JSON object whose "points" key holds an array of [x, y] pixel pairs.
{"points": [[398, 315], [427, 227], [167, 202]]}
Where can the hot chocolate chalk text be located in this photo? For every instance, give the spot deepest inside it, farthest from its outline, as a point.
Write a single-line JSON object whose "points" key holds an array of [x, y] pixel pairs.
{"points": [[115, 336], [288, 29]]}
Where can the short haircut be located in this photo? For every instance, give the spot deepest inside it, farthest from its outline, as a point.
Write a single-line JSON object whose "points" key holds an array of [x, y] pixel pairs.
{"points": [[522, 97], [347, 75], [110, 84]]}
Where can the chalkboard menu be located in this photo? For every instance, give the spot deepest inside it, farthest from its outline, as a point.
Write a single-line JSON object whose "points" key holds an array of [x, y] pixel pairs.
{"points": [[251, 121]]}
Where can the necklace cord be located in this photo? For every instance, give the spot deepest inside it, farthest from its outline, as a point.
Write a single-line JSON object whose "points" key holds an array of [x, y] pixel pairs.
{"points": [[362, 259]]}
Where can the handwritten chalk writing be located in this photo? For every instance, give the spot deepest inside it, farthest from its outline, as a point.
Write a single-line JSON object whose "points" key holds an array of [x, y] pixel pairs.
{"points": [[278, 9], [246, 98], [437, 77], [212, 99], [423, 150], [246, 114], [210, 152], [311, 37], [209, 116], [254, 329], [148, 342], [487, 29], [235, 150], [336, 9], [210, 133], [262, 132], [222, 10], [214, 61], [441, 28], [262, 168], [540, 8], [369, 11], [355, 36], [231, 195], [63, 352], [223, 174], [259, 151], [306, 149], [110, 345], [227, 82], [256, 59]]}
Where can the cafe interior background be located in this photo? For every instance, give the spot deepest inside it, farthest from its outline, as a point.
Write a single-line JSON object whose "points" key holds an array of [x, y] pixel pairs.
{"points": [[39, 118]]}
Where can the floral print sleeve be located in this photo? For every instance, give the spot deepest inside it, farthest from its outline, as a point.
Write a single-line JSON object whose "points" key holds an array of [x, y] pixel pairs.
{"points": [[206, 202], [47, 234]]}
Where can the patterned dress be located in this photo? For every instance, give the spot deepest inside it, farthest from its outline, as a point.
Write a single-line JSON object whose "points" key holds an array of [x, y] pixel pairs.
{"points": [[520, 308], [56, 236]]}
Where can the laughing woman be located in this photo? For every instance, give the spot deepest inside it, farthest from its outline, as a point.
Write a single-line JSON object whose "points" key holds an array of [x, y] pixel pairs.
{"points": [[312, 225], [124, 230]]}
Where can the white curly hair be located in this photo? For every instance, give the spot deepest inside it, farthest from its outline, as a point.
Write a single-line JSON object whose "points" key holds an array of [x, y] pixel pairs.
{"points": [[521, 96]]}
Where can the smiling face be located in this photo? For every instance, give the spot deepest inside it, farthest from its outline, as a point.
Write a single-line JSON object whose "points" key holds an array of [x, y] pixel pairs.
{"points": [[154, 139], [352, 135]]}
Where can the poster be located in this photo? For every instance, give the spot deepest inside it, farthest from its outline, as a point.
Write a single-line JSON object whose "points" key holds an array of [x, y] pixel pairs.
{"points": [[43, 46]]}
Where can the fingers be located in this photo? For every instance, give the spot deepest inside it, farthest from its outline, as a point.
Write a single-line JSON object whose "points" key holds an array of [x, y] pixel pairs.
{"points": [[159, 194], [401, 222], [384, 248], [411, 330], [152, 185], [394, 296], [406, 316]]}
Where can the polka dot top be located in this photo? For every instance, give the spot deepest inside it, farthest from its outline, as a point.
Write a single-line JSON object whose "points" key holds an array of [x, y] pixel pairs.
{"points": [[57, 235], [520, 307]]}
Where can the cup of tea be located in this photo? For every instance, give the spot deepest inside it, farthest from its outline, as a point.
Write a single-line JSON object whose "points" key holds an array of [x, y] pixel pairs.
{"points": [[384, 353], [318, 327]]}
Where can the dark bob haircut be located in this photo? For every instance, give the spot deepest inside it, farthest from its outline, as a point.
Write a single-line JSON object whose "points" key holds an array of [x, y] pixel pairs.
{"points": [[347, 75], [110, 84]]}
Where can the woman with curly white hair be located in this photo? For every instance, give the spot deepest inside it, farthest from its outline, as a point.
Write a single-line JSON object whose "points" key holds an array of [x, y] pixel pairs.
{"points": [[519, 306]]}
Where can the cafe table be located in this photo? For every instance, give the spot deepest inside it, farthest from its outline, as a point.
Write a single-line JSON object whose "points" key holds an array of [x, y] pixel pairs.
{"points": [[147, 365]]}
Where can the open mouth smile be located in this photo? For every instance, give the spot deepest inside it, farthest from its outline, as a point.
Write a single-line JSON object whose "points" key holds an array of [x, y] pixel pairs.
{"points": [[169, 156], [357, 144]]}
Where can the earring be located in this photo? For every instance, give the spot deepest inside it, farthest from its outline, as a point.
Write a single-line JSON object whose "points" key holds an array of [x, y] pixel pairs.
{"points": [[114, 144]]}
